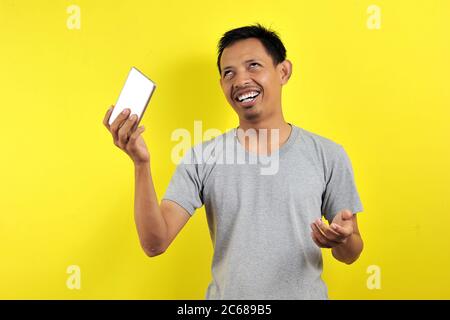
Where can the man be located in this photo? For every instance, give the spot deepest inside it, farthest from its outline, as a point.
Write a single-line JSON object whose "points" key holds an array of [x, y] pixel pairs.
{"points": [[266, 229]]}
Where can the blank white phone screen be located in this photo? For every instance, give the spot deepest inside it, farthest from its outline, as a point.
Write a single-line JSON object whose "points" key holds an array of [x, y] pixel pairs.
{"points": [[135, 95]]}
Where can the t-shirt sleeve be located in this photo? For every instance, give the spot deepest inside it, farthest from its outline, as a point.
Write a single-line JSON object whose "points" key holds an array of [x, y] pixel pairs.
{"points": [[340, 190], [185, 186]]}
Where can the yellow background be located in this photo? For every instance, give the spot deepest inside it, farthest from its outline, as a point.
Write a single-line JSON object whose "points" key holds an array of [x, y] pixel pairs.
{"points": [[67, 191]]}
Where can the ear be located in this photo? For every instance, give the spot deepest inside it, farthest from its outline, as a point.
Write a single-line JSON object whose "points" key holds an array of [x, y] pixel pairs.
{"points": [[285, 71]]}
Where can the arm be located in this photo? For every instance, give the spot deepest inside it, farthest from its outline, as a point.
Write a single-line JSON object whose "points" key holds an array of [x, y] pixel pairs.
{"points": [[150, 223], [157, 225]]}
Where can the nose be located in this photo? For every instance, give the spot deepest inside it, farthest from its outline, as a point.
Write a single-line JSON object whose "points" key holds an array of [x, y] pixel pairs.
{"points": [[241, 79]]}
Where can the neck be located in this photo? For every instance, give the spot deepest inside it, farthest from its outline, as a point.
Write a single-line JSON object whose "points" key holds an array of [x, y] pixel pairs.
{"points": [[274, 122]]}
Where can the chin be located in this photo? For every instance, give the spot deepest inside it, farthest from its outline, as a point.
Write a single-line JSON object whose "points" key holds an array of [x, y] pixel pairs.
{"points": [[251, 116]]}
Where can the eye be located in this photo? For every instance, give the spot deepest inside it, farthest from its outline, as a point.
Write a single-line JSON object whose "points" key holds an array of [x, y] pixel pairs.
{"points": [[253, 64], [226, 74]]}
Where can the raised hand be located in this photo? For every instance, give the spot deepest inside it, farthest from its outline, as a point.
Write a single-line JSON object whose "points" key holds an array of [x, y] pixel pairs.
{"points": [[336, 234], [127, 137]]}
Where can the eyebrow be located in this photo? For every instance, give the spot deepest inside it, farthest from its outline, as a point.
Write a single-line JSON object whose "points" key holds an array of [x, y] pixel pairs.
{"points": [[246, 61]]}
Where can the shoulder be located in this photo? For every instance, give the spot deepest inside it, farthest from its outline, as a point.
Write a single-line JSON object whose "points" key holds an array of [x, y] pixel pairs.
{"points": [[205, 151], [323, 146], [328, 154]]}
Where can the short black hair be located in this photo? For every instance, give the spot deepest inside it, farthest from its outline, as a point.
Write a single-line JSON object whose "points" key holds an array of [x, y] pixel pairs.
{"points": [[269, 38]]}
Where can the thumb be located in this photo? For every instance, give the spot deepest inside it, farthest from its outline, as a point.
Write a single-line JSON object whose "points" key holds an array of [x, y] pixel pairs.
{"points": [[346, 214]]}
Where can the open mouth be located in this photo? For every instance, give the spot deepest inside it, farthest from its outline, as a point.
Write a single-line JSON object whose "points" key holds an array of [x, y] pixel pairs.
{"points": [[247, 99]]}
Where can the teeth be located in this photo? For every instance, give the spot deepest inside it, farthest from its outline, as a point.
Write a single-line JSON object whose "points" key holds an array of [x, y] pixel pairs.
{"points": [[247, 95]]}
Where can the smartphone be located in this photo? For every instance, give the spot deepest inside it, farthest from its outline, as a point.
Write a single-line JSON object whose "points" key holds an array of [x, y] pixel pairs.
{"points": [[135, 95]]}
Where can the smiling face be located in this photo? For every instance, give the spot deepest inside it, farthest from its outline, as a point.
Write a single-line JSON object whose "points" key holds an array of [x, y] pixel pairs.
{"points": [[250, 81]]}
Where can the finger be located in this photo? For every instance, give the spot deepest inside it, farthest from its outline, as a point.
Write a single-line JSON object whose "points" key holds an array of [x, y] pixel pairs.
{"points": [[345, 232], [126, 130], [313, 237], [346, 214], [118, 122], [107, 116], [330, 233], [317, 230], [135, 135], [322, 238], [327, 231], [318, 223], [316, 241], [319, 242]]}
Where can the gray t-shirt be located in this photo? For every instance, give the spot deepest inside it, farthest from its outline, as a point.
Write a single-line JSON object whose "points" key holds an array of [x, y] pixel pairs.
{"points": [[260, 223]]}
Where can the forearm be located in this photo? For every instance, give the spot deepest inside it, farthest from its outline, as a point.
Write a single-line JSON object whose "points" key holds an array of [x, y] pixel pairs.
{"points": [[349, 251], [150, 222]]}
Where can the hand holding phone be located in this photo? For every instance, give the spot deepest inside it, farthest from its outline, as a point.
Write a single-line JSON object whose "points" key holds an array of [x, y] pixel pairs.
{"points": [[135, 95], [133, 99]]}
